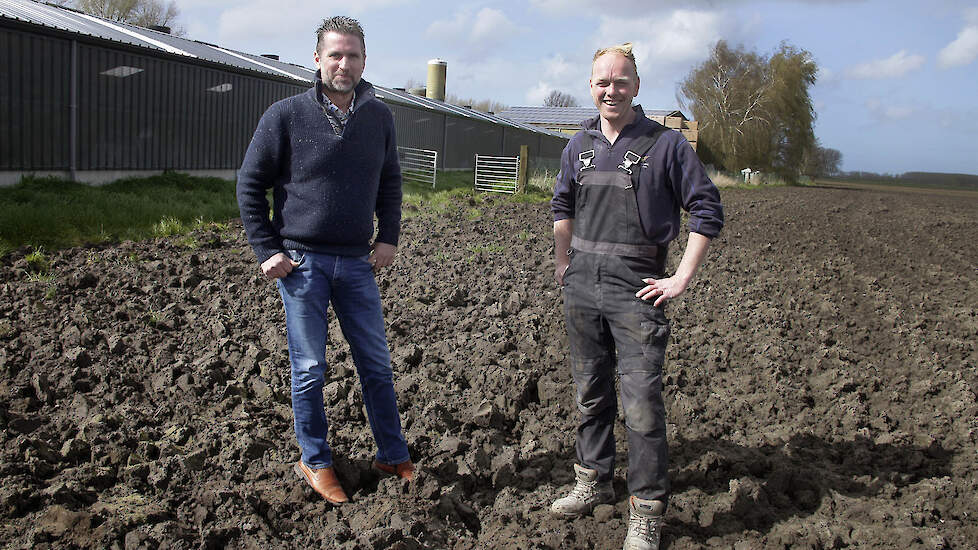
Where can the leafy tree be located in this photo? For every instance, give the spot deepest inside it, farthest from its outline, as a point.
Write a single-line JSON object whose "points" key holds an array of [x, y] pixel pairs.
{"points": [[556, 98], [145, 13], [793, 72], [822, 162], [753, 110]]}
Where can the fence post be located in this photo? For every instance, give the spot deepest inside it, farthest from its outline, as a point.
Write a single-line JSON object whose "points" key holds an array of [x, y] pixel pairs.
{"points": [[521, 178]]}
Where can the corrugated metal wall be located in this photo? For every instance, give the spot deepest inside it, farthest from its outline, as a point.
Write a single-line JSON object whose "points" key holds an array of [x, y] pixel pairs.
{"points": [[139, 111], [34, 101], [135, 112], [169, 115], [457, 139], [421, 129], [466, 137]]}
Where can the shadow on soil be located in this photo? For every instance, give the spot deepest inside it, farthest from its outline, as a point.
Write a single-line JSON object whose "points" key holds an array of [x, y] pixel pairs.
{"points": [[756, 488]]}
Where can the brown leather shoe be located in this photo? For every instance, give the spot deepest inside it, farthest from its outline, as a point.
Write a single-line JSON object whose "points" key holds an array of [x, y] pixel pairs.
{"points": [[323, 481], [404, 470]]}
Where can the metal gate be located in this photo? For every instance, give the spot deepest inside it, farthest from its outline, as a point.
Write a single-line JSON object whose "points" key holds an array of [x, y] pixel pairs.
{"points": [[418, 165], [498, 174]]}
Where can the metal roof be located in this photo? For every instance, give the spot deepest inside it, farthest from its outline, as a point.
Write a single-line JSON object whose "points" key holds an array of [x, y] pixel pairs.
{"points": [[74, 22], [569, 116], [403, 97]]}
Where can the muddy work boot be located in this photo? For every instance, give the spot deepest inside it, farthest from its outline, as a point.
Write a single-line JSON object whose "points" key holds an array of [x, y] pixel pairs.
{"points": [[644, 524], [587, 493]]}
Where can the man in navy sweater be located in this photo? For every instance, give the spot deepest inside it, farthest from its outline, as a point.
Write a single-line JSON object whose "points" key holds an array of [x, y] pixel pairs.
{"points": [[330, 158], [623, 180]]}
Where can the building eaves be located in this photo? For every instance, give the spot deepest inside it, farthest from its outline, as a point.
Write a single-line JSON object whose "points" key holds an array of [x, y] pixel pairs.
{"points": [[566, 116], [74, 22], [66, 20]]}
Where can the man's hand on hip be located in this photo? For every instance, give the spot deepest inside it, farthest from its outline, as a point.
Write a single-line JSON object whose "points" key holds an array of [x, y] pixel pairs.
{"points": [[382, 256], [662, 290], [278, 266]]}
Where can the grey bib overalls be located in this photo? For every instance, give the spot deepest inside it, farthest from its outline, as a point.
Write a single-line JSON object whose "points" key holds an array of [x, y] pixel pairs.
{"points": [[610, 330]]}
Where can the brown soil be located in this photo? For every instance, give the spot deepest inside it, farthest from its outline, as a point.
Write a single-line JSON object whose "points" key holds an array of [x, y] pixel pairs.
{"points": [[821, 389]]}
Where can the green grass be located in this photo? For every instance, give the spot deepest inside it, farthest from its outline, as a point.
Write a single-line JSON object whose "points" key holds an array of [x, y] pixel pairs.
{"points": [[53, 213], [50, 213]]}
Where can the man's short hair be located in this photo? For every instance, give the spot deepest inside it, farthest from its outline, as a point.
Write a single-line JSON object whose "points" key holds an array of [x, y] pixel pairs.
{"points": [[623, 49], [340, 24]]}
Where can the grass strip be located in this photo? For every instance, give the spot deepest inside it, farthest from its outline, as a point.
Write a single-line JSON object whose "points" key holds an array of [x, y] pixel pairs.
{"points": [[51, 213]]}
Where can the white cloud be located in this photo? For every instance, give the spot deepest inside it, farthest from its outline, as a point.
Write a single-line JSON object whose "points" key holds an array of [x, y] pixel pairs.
{"points": [[624, 7], [557, 73], [478, 32], [664, 47], [962, 51], [267, 18], [491, 24], [826, 75], [889, 112], [897, 65]]}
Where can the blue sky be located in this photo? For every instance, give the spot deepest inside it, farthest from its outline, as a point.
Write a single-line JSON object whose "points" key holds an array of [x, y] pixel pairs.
{"points": [[897, 89]]}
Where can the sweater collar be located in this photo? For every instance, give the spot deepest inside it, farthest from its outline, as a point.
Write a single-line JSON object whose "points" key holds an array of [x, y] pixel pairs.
{"points": [[637, 126], [593, 123]]}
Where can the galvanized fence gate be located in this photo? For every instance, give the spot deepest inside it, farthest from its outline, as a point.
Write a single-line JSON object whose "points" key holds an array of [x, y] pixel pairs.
{"points": [[418, 165], [498, 174]]}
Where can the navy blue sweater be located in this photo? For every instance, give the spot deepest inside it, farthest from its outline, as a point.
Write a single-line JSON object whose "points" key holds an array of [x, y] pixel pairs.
{"points": [[326, 187], [671, 177]]}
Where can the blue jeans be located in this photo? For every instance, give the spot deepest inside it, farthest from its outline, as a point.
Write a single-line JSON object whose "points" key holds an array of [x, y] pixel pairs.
{"points": [[348, 283]]}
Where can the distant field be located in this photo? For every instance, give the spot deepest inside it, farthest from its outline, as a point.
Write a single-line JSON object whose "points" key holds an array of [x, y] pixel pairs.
{"points": [[924, 180], [905, 187]]}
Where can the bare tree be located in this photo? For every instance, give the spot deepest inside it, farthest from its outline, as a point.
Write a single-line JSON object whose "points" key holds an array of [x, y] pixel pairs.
{"points": [[556, 98], [145, 13], [481, 105]]}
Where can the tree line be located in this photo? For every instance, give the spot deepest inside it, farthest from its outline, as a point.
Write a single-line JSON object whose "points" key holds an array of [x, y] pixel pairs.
{"points": [[145, 13], [755, 111]]}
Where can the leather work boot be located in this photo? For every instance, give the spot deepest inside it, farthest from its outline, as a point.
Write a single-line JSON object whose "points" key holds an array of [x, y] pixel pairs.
{"points": [[404, 470], [324, 481], [644, 524], [586, 494]]}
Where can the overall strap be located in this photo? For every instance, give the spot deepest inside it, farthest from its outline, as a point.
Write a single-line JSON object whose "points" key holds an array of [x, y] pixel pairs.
{"points": [[587, 157]]}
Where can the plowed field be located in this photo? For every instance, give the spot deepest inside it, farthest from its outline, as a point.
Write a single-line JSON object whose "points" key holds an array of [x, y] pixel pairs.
{"points": [[821, 389]]}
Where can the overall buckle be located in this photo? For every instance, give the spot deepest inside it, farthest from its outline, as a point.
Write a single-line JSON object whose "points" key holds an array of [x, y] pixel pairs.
{"points": [[585, 159], [631, 159]]}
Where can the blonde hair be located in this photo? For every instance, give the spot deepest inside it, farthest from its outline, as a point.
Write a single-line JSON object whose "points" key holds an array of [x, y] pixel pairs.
{"points": [[621, 49]]}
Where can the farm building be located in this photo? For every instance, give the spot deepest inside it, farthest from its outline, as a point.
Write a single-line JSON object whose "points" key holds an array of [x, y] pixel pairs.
{"points": [[94, 100], [568, 119]]}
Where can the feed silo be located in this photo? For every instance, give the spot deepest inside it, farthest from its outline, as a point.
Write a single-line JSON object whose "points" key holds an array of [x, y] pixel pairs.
{"points": [[437, 69]]}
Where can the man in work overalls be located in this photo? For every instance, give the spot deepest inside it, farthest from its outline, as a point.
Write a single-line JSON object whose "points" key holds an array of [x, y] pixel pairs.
{"points": [[616, 205]]}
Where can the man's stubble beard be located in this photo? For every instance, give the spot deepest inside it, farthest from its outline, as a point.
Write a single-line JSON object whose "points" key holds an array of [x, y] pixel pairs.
{"points": [[330, 87]]}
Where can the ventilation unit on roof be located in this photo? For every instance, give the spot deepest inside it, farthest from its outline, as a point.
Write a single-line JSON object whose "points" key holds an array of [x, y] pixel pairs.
{"points": [[270, 56], [160, 28]]}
